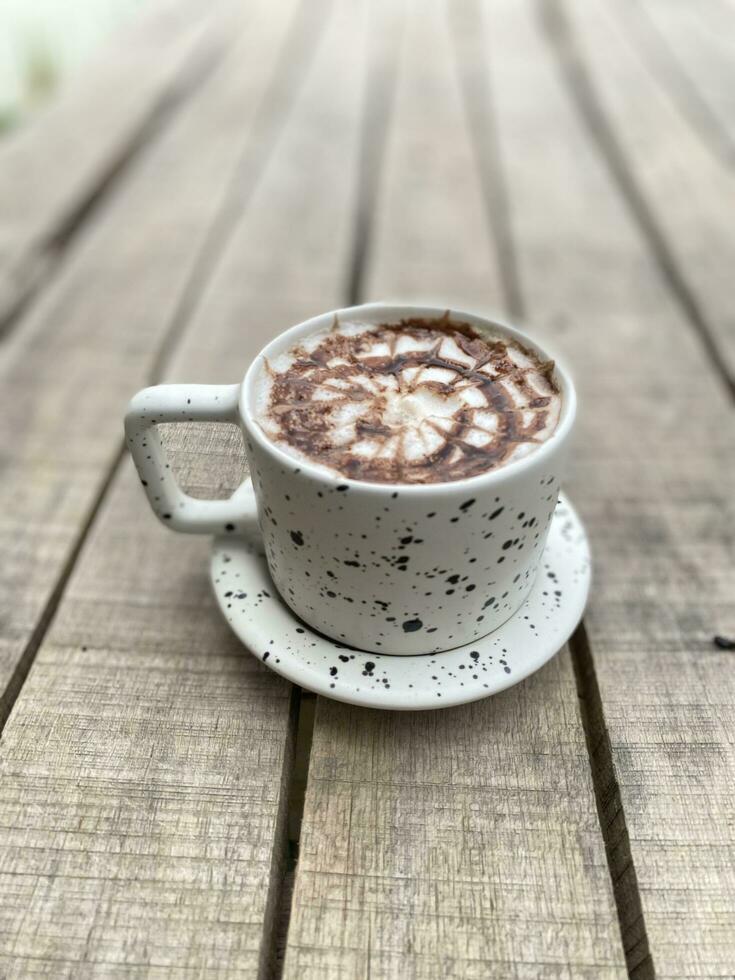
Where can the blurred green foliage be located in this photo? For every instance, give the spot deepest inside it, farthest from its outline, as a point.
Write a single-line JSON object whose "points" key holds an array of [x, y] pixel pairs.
{"points": [[41, 72]]}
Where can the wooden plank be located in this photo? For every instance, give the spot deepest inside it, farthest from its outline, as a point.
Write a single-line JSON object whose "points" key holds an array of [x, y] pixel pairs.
{"points": [[414, 253], [653, 478], [465, 842], [52, 167], [142, 792], [693, 46], [677, 187], [68, 371]]}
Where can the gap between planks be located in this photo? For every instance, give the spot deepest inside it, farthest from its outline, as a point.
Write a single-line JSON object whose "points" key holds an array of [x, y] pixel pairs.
{"points": [[305, 712], [477, 95], [482, 122], [25, 661], [292, 64], [377, 112], [576, 77], [610, 811]]}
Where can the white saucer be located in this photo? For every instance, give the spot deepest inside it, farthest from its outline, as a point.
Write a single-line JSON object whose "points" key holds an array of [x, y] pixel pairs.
{"points": [[548, 617]]}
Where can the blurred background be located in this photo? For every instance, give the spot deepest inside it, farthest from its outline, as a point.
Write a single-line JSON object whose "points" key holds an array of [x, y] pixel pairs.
{"points": [[42, 42]]}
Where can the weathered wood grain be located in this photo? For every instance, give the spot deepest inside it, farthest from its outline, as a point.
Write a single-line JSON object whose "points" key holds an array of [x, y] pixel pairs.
{"points": [[142, 790], [54, 165], [654, 471], [677, 187], [68, 370], [461, 843]]}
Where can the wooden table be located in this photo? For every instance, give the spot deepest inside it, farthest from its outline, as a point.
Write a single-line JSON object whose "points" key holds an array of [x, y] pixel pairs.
{"points": [[223, 171]]}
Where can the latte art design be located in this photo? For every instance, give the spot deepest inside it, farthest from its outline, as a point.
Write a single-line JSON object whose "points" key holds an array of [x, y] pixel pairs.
{"points": [[422, 401]]}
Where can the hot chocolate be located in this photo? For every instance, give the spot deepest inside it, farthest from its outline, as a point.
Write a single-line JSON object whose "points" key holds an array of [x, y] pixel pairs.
{"points": [[418, 401]]}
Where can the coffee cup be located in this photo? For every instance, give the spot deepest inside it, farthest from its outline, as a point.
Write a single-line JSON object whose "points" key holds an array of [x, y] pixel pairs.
{"points": [[392, 568]]}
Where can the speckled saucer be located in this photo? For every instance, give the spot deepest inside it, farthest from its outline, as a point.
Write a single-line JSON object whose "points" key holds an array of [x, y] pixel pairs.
{"points": [[266, 625]]}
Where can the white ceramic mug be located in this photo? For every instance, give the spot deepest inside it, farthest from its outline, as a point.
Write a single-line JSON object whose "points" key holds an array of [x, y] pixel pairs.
{"points": [[387, 568]]}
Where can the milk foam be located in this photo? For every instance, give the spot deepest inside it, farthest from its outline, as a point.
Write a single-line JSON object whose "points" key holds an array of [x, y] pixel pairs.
{"points": [[417, 402]]}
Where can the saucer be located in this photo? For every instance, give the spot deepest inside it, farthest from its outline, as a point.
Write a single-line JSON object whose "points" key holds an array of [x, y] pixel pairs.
{"points": [[523, 644]]}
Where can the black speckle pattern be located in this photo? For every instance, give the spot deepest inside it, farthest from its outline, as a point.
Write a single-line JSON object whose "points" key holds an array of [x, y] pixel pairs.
{"points": [[480, 667], [411, 625], [363, 568], [723, 642]]}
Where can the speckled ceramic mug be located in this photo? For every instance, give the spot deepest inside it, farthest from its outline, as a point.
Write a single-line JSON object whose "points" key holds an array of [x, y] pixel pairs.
{"points": [[388, 568]]}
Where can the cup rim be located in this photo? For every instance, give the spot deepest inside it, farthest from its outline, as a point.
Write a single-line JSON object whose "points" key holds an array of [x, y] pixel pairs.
{"points": [[398, 311]]}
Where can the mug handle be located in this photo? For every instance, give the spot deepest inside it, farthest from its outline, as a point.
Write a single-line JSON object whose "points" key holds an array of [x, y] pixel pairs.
{"points": [[174, 508]]}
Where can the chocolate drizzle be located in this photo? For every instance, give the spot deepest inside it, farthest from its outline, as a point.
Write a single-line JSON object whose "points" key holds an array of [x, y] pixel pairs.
{"points": [[307, 402]]}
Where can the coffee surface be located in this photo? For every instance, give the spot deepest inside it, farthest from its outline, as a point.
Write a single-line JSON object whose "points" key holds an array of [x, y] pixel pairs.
{"points": [[419, 401]]}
